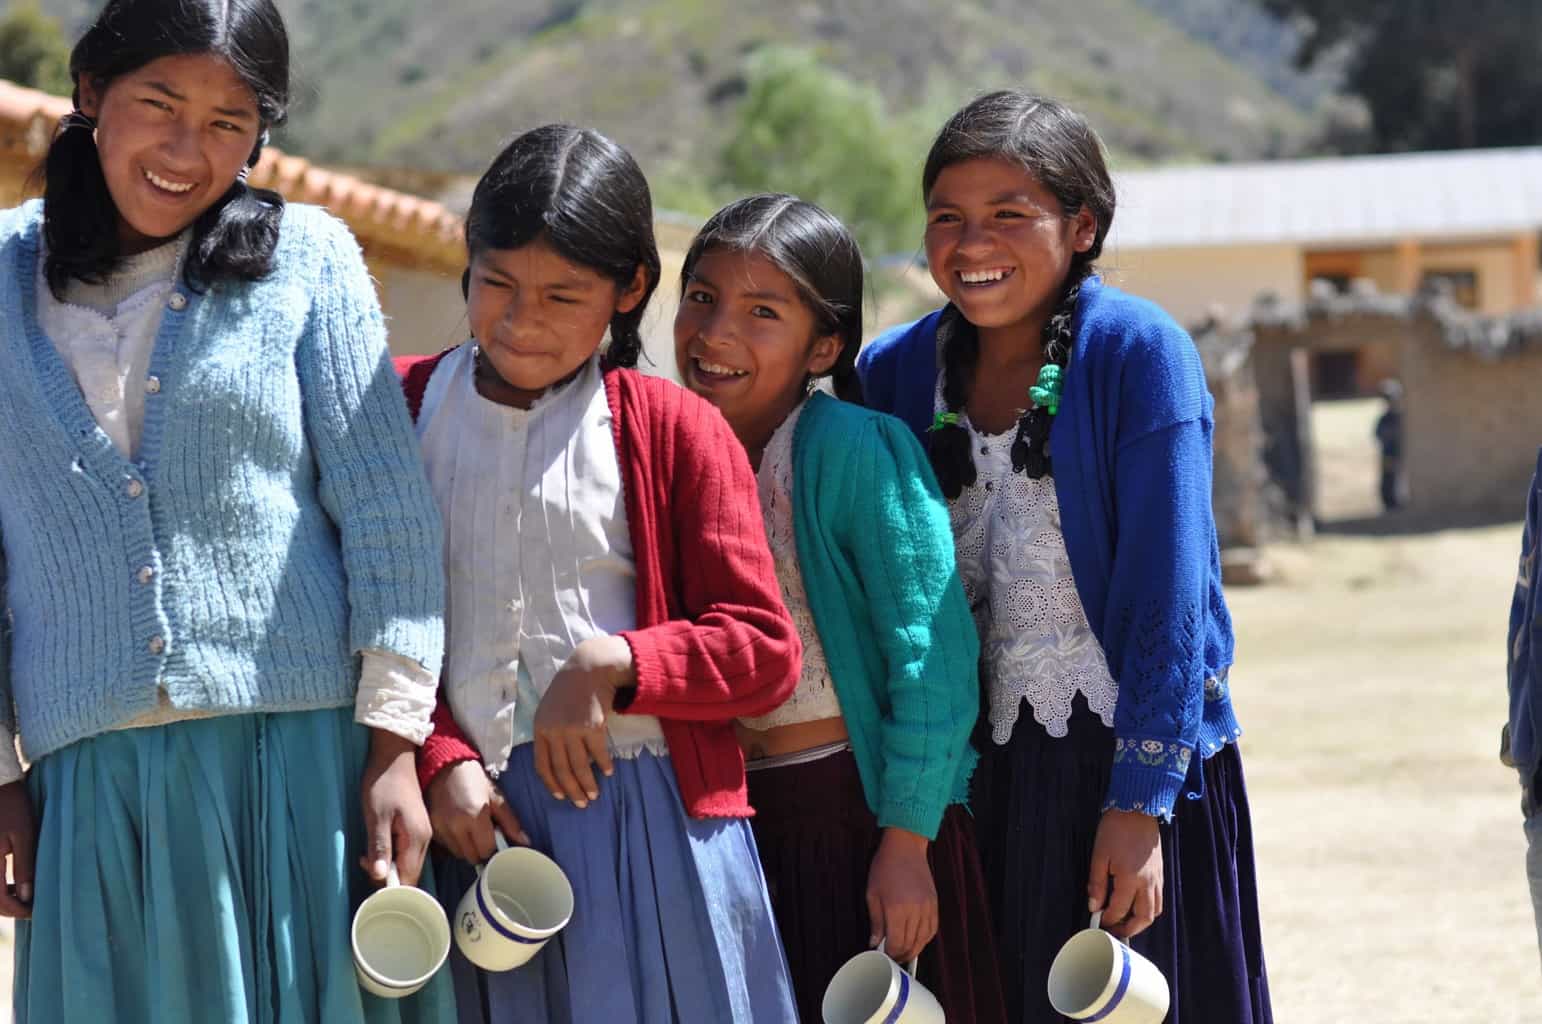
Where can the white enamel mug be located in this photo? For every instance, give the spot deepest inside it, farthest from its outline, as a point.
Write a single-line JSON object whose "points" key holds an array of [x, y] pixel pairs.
{"points": [[1097, 978], [870, 988], [520, 900], [400, 938]]}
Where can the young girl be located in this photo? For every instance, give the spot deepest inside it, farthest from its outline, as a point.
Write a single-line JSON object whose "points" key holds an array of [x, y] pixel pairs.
{"points": [[612, 609], [859, 780], [211, 506], [1070, 429]]}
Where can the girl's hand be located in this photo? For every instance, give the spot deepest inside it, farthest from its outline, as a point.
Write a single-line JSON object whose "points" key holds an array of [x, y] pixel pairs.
{"points": [[395, 821], [570, 735], [465, 807], [1128, 849], [901, 896], [18, 839]]}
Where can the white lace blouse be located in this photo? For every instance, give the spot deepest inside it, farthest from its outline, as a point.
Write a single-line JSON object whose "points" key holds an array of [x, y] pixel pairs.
{"points": [[1035, 643], [814, 697]]}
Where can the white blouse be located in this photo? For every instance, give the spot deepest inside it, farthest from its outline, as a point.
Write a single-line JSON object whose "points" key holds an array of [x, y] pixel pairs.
{"points": [[1035, 642], [814, 698], [537, 552]]}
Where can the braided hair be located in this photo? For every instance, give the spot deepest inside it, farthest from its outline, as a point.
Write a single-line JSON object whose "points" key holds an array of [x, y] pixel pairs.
{"points": [[1058, 147]]}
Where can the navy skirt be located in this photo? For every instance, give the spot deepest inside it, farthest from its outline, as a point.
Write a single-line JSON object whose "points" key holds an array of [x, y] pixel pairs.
{"points": [[817, 838], [1038, 802]]}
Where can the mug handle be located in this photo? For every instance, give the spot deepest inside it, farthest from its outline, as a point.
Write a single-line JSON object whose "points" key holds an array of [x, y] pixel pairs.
{"points": [[910, 968], [499, 841]]}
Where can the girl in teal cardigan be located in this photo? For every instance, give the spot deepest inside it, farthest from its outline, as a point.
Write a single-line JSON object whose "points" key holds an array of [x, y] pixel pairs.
{"points": [[859, 780]]}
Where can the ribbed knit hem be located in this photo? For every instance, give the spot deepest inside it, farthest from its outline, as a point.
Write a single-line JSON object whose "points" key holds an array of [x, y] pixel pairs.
{"points": [[440, 752], [1148, 776]]}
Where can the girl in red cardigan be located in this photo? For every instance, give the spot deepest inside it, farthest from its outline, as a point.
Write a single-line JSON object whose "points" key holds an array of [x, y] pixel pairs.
{"points": [[613, 608]]}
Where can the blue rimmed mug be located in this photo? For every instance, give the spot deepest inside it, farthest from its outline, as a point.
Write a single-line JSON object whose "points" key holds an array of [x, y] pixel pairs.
{"points": [[870, 988], [400, 939], [1097, 979], [520, 900]]}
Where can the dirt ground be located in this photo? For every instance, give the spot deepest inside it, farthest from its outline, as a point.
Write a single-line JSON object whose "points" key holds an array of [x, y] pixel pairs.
{"points": [[1370, 681]]}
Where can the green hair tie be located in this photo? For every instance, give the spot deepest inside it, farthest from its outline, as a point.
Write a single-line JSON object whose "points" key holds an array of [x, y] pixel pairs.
{"points": [[943, 419], [1046, 393]]}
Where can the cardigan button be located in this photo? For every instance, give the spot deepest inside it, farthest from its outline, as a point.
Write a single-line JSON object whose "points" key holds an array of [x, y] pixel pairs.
{"points": [[153, 385], [156, 645], [178, 301], [145, 574], [133, 488]]}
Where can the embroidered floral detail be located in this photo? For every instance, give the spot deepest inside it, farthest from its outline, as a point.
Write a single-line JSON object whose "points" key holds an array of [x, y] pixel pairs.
{"points": [[1163, 755]]}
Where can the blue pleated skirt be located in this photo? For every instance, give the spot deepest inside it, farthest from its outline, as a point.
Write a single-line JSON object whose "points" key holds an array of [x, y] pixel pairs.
{"points": [[671, 921], [204, 872]]}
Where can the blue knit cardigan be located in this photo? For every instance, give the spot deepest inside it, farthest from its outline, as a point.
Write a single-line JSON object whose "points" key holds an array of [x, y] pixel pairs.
{"points": [[876, 553], [1132, 460], [276, 522]]}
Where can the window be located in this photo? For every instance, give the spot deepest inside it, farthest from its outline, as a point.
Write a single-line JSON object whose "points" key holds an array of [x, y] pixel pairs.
{"points": [[1461, 284]]}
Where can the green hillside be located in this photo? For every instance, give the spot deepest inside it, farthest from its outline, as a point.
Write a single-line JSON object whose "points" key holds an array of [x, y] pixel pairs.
{"points": [[435, 84]]}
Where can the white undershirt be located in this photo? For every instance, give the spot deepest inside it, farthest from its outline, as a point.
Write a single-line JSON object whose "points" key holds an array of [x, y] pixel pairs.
{"points": [[538, 556], [815, 698]]}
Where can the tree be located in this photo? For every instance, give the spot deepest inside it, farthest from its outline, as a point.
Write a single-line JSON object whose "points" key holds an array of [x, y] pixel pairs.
{"points": [[807, 129], [33, 51], [1435, 74]]}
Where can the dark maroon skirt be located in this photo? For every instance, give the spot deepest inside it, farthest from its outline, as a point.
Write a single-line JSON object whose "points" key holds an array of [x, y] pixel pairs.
{"points": [[817, 838], [1039, 800]]}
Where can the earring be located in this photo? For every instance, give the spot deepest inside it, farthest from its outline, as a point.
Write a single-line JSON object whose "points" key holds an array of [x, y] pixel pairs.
{"points": [[244, 173]]}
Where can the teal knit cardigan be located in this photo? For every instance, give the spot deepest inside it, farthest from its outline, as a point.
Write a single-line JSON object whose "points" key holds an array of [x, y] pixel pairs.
{"points": [[876, 552], [276, 522]]}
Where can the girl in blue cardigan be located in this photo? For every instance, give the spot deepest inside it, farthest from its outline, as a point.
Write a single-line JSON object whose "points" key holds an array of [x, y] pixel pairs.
{"points": [[220, 556], [859, 779], [1070, 429]]}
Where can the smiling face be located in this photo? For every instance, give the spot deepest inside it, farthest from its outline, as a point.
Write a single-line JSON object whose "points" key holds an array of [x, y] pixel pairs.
{"points": [[747, 342], [538, 316], [999, 244], [172, 137]]}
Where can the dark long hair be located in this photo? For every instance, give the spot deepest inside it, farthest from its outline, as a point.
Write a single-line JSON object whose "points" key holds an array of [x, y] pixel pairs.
{"points": [[812, 248], [1059, 148], [586, 197], [236, 236]]}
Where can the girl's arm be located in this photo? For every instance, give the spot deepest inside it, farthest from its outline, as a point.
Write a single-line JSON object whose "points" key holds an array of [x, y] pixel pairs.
{"points": [[1157, 612], [371, 478], [18, 834], [902, 544], [372, 484], [735, 652]]}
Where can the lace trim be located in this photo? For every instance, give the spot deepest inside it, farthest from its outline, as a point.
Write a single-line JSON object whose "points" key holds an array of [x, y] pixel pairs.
{"points": [[815, 697], [1036, 645]]}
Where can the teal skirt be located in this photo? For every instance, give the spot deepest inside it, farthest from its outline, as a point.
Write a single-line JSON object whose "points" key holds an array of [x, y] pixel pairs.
{"points": [[204, 871]]}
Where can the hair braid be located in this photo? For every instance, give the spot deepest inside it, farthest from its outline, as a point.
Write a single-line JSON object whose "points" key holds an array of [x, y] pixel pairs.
{"points": [[947, 444]]}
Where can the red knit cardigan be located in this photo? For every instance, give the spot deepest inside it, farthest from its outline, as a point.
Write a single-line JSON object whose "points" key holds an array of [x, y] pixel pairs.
{"points": [[713, 640]]}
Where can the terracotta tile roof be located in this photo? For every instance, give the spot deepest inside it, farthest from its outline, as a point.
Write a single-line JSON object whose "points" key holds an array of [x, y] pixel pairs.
{"points": [[413, 229]]}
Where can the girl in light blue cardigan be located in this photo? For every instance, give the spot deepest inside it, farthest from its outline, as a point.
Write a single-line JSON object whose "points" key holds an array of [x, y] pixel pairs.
{"points": [[220, 556], [859, 780]]}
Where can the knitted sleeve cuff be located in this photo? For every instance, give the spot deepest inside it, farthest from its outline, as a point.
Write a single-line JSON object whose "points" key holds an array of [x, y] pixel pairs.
{"points": [[1148, 776], [446, 745]]}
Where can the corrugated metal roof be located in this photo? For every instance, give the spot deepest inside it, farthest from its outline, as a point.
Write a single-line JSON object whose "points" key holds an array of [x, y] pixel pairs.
{"points": [[1343, 201]]}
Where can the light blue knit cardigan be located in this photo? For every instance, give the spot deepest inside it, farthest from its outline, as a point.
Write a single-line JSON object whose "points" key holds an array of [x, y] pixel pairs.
{"points": [[276, 523]]}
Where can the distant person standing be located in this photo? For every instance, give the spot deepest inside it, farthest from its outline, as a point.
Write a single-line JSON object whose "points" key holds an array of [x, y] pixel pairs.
{"points": [[1518, 745], [1389, 434]]}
